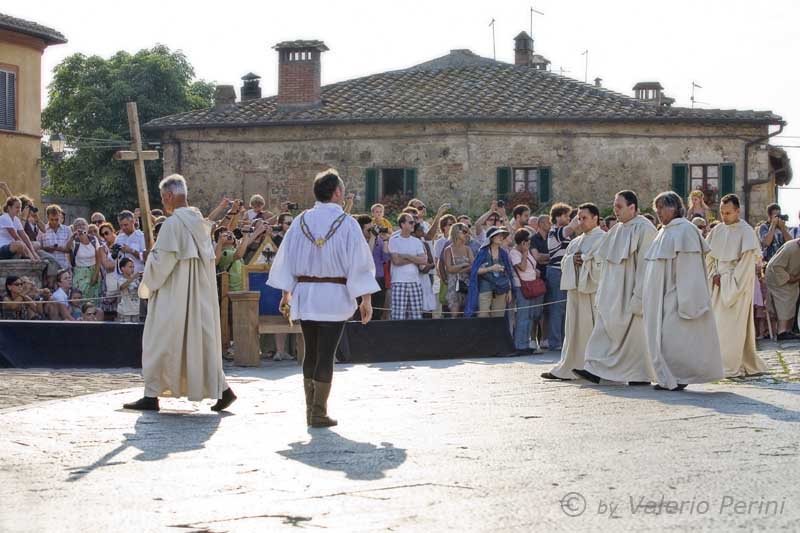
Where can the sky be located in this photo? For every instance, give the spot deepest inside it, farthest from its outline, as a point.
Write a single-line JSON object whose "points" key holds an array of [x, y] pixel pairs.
{"points": [[742, 53]]}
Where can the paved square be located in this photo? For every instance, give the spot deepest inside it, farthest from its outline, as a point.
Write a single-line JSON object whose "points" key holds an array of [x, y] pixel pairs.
{"points": [[462, 445]]}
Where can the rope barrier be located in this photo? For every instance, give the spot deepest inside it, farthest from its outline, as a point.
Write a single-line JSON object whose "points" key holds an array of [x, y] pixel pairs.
{"points": [[461, 313]]}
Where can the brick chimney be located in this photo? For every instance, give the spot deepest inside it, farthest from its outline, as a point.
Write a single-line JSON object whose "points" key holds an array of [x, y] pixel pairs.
{"points": [[224, 97], [250, 89], [299, 73]]}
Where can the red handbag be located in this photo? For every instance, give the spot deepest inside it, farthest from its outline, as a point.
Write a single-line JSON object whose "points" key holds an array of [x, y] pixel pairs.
{"points": [[531, 288]]}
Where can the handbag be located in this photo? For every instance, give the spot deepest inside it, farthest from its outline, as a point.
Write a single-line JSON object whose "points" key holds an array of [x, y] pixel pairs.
{"points": [[532, 288], [462, 286]]}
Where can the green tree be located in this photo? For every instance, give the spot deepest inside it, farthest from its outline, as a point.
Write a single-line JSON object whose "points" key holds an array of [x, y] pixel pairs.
{"points": [[87, 101]]}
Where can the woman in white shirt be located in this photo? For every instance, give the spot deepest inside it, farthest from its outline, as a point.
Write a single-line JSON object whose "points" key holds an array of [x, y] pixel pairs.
{"points": [[87, 258], [14, 241]]}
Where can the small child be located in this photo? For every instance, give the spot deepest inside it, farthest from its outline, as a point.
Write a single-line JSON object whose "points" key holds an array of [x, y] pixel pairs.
{"points": [[125, 284], [75, 303]]}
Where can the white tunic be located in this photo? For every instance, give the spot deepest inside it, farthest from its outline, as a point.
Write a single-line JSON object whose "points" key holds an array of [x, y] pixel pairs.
{"points": [[679, 324], [616, 350], [581, 285], [182, 344], [734, 250], [345, 255]]}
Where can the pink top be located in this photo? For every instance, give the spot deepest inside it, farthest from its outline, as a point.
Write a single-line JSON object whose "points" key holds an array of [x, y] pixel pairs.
{"points": [[529, 274]]}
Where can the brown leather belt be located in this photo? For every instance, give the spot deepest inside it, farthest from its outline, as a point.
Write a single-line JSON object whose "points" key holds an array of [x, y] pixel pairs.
{"points": [[309, 279]]}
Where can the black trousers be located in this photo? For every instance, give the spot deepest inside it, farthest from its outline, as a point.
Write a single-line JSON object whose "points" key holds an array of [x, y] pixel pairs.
{"points": [[322, 339]]}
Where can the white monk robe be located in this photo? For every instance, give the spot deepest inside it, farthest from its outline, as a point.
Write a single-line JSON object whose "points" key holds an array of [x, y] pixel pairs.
{"points": [[345, 255], [581, 283], [734, 250], [182, 344], [679, 324], [784, 265], [617, 350]]}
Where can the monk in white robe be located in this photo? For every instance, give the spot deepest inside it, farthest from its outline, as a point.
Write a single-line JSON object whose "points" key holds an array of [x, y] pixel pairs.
{"points": [[782, 277], [679, 325], [731, 267], [616, 350], [181, 346], [580, 276]]}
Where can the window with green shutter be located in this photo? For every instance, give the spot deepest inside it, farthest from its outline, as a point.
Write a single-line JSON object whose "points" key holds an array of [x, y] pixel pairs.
{"points": [[727, 179], [680, 179], [410, 182], [544, 185], [8, 100], [503, 182], [371, 188]]}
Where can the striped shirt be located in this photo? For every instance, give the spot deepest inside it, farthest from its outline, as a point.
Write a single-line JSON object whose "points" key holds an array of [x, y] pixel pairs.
{"points": [[557, 244], [57, 237]]}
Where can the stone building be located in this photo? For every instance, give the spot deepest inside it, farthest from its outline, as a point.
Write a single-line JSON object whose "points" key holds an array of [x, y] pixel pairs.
{"points": [[22, 44], [466, 129]]}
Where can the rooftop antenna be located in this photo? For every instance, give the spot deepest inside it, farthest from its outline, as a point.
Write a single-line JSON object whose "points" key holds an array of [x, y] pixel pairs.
{"points": [[494, 49], [692, 98], [532, 12], [586, 66]]}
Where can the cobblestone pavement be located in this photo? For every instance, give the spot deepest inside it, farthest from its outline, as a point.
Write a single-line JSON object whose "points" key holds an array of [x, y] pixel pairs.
{"points": [[455, 445], [25, 386]]}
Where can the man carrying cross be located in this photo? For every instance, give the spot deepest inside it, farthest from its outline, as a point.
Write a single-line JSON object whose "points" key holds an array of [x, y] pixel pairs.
{"points": [[322, 266]]}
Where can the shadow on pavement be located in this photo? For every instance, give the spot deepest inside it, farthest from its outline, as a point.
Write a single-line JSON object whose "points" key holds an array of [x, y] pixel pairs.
{"points": [[723, 402], [157, 436], [328, 450]]}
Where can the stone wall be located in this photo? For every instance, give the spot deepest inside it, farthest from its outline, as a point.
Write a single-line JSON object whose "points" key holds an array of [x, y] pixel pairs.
{"points": [[457, 162]]}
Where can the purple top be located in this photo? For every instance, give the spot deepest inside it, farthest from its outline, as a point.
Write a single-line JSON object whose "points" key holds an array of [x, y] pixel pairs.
{"points": [[380, 257]]}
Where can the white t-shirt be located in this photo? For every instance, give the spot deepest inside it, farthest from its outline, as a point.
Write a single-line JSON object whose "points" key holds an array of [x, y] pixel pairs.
{"points": [[530, 272], [6, 223], [134, 241], [410, 246], [128, 303], [85, 257], [60, 296]]}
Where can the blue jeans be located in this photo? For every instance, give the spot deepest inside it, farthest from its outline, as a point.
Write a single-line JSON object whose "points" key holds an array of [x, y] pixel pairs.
{"points": [[523, 320], [556, 313]]}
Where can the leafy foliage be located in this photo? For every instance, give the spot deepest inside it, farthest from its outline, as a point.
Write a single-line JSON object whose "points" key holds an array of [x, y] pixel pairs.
{"points": [[87, 101]]}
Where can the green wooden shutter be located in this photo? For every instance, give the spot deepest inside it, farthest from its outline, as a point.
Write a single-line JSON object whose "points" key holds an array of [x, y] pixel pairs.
{"points": [[544, 185], [410, 182], [371, 188], [727, 184], [503, 182], [680, 180]]}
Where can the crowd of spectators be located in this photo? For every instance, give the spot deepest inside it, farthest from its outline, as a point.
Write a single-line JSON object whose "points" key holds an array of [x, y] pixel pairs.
{"points": [[444, 266]]}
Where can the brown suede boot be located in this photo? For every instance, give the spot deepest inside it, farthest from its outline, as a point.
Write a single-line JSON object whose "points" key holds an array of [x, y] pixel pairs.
{"points": [[308, 386], [319, 410]]}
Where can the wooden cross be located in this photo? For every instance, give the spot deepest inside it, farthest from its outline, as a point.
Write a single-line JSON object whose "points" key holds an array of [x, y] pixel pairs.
{"points": [[139, 156]]}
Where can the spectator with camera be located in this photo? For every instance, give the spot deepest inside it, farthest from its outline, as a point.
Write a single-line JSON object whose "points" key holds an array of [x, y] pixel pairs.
{"points": [[493, 218], [377, 237], [131, 240], [490, 277], [457, 260], [86, 259], [257, 208], [773, 233], [229, 252], [408, 254], [16, 304], [279, 231], [124, 285]]}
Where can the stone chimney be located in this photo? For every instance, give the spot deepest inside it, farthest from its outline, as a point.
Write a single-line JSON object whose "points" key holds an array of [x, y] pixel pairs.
{"points": [[250, 89], [524, 54], [224, 97], [523, 49], [299, 73], [598, 82], [648, 91]]}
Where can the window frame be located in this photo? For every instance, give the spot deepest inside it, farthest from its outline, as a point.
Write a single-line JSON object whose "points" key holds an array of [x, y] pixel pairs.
{"points": [[405, 170], [707, 191], [11, 69], [527, 170]]}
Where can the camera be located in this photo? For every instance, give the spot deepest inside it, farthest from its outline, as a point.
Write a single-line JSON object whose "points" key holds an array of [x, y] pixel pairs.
{"points": [[292, 206], [785, 218], [501, 203], [34, 209], [277, 228], [377, 230], [115, 250]]}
